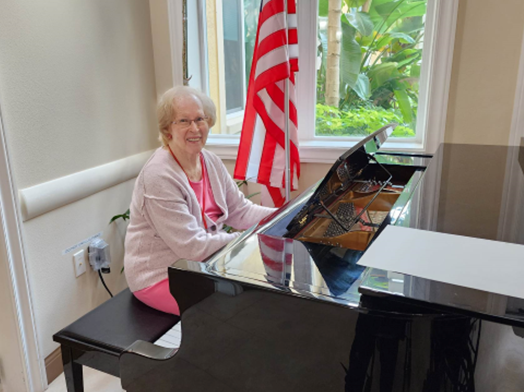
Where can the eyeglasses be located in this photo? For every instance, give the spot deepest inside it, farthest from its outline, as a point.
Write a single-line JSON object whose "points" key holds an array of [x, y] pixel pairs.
{"points": [[186, 123]]}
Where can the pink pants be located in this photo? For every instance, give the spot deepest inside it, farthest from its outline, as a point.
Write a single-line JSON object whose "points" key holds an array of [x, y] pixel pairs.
{"points": [[158, 297]]}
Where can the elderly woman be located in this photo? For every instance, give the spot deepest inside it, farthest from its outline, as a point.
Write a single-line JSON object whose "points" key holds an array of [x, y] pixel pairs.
{"points": [[182, 198]]}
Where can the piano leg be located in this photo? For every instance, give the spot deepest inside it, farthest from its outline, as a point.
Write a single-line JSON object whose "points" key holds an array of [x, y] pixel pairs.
{"points": [[72, 370], [377, 336]]}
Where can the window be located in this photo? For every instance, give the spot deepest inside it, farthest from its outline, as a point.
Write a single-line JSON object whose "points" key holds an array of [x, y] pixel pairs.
{"points": [[197, 59], [368, 66], [384, 73], [234, 59]]}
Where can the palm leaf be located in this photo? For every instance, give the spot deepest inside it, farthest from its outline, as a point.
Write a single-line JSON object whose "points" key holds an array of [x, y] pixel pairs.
{"points": [[350, 57], [360, 21], [404, 105]]}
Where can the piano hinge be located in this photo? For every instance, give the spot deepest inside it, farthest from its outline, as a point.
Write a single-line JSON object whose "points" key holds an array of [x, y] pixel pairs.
{"points": [[303, 220]]}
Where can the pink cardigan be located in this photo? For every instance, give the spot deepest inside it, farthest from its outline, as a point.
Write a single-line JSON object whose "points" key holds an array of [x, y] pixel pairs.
{"points": [[166, 219]]}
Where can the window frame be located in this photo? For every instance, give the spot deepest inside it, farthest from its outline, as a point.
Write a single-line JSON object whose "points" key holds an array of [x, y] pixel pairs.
{"points": [[441, 20], [199, 57], [231, 116]]}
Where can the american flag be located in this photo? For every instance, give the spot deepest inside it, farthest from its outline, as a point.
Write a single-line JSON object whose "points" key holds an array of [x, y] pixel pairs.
{"points": [[261, 154]]}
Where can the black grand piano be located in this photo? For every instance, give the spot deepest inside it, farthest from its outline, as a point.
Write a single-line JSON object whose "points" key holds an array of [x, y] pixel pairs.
{"points": [[286, 307]]}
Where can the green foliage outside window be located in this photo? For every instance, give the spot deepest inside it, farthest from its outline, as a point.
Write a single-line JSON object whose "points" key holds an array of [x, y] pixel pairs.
{"points": [[380, 57], [359, 121]]}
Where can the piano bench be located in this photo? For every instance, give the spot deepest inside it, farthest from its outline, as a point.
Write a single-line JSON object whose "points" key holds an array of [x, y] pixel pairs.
{"points": [[98, 338]]}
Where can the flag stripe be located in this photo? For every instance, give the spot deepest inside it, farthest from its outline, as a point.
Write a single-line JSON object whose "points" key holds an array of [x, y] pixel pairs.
{"points": [[259, 137], [274, 41], [293, 51], [277, 171], [292, 21], [280, 71], [275, 112], [292, 93], [273, 129], [276, 195], [269, 9], [277, 96], [268, 60], [268, 153], [293, 37], [273, 24]]}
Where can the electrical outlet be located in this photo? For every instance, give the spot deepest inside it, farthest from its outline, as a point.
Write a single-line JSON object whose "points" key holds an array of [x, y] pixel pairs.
{"points": [[80, 262]]}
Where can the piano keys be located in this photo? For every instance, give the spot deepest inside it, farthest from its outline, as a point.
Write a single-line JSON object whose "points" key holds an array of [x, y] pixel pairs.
{"points": [[172, 338], [286, 307]]}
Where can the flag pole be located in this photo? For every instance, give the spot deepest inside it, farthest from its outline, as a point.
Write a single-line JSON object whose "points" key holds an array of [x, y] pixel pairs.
{"points": [[286, 116]]}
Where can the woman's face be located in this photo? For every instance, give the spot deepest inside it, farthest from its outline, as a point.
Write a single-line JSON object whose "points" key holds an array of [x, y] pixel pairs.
{"points": [[187, 133]]}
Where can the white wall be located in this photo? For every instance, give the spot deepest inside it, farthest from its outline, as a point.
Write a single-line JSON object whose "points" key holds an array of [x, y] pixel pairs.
{"points": [[11, 366], [161, 45], [484, 75], [77, 90]]}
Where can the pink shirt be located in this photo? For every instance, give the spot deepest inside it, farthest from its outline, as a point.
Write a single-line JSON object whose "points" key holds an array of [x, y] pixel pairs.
{"points": [[211, 208]]}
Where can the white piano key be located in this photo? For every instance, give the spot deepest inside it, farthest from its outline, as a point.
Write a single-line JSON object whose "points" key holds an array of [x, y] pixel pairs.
{"points": [[172, 338], [166, 344], [175, 332]]}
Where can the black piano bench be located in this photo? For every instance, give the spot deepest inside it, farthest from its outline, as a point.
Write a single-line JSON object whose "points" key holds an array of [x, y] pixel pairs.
{"points": [[98, 338]]}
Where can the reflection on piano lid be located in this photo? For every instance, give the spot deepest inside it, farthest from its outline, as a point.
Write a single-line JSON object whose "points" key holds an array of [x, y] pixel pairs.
{"points": [[337, 266], [307, 269]]}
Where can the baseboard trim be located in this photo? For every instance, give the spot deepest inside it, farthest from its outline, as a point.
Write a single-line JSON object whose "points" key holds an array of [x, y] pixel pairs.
{"points": [[53, 365]]}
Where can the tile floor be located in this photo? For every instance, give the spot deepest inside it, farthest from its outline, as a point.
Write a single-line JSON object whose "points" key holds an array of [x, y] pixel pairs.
{"points": [[94, 381]]}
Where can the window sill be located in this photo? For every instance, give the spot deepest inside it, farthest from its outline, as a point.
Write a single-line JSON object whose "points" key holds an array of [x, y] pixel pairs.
{"points": [[317, 151]]}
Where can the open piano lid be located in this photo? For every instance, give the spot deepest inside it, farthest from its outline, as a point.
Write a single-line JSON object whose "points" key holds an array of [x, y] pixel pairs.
{"points": [[348, 166], [357, 156]]}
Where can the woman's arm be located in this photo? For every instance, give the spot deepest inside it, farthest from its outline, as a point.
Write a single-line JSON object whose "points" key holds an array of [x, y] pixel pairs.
{"points": [[167, 211], [242, 213]]}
